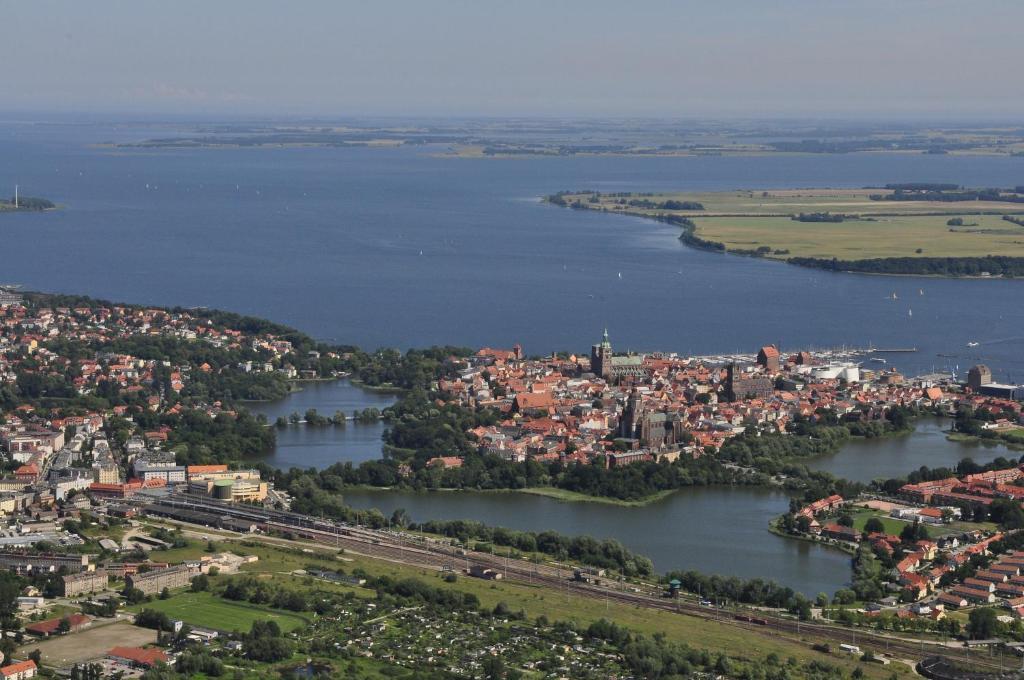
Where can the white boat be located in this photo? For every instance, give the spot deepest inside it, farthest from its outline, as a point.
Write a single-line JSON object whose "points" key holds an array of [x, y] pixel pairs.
{"points": [[879, 360], [910, 312], [972, 344]]}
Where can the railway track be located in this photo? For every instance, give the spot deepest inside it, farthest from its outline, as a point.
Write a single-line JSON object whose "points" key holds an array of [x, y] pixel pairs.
{"points": [[429, 553]]}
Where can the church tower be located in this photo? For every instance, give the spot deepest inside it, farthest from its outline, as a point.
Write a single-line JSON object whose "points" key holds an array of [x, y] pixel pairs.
{"points": [[631, 416], [601, 357]]}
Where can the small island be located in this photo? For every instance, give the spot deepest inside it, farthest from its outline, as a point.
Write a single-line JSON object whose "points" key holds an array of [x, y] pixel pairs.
{"points": [[25, 204], [920, 229]]}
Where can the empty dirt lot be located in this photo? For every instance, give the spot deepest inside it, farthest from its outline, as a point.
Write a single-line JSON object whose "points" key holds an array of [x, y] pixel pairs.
{"points": [[91, 643]]}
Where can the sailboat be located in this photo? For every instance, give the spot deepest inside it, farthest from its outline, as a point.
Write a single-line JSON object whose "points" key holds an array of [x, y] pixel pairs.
{"points": [[910, 312], [893, 296], [920, 291]]}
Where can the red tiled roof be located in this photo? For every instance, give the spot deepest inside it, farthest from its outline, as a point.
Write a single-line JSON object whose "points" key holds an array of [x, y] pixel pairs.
{"points": [[202, 469], [17, 667], [525, 400], [51, 625], [139, 655]]}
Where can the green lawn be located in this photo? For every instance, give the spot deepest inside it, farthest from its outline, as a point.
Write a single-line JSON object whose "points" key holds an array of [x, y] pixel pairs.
{"points": [[575, 496], [895, 526], [208, 610], [892, 526]]}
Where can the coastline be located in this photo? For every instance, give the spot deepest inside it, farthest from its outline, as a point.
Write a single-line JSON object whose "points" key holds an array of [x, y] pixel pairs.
{"points": [[991, 443], [773, 528], [690, 238]]}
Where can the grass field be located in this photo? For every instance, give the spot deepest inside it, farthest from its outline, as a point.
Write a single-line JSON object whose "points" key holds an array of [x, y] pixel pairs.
{"points": [[746, 220], [1015, 436], [574, 496], [892, 526], [895, 526], [208, 610]]}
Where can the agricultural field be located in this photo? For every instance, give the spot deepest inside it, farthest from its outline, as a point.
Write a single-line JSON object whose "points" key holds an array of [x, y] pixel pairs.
{"points": [[210, 611], [749, 220]]}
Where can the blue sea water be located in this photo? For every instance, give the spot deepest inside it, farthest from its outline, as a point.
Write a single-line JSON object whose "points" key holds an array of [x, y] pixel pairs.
{"points": [[404, 248]]}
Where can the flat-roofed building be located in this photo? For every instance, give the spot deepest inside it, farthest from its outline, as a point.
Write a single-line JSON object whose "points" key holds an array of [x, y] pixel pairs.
{"points": [[84, 582], [152, 582], [233, 490], [24, 563]]}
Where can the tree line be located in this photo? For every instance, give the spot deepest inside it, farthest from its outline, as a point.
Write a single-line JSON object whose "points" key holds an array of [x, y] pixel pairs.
{"points": [[607, 553], [992, 265]]}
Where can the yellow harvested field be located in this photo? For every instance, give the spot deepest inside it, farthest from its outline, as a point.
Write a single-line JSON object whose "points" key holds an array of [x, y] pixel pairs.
{"points": [[903, 236], [748, 220]]}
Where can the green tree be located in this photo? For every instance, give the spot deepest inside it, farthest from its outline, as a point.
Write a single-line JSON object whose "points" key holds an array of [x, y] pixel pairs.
{"points": [[874, 525], [982, 623]]}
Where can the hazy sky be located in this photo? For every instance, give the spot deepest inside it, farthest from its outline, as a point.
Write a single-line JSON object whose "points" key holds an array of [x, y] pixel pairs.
{"points": [[747, 58]]}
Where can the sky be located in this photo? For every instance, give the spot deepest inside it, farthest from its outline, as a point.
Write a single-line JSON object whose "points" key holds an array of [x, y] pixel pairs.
{"points": [[660, 58]]}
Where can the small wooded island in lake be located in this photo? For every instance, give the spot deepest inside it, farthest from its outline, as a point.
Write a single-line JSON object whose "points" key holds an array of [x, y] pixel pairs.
{"points": [[915, 228], [25, 204]]}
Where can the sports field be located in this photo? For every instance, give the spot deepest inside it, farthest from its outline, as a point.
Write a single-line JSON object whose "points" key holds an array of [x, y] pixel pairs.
{"points": [[91, 643], [749, 220], [209, 611]]}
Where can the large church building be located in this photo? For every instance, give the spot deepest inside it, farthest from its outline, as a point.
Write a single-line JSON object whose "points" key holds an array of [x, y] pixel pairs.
{"points": [[604, 363]]}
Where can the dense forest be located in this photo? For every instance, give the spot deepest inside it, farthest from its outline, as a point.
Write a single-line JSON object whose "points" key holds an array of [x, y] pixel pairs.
{"points": [[990, 265]]}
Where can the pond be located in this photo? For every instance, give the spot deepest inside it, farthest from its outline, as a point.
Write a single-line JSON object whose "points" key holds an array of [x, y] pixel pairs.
{"points": [[863, 460], [305, 446], [720, 530]]}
